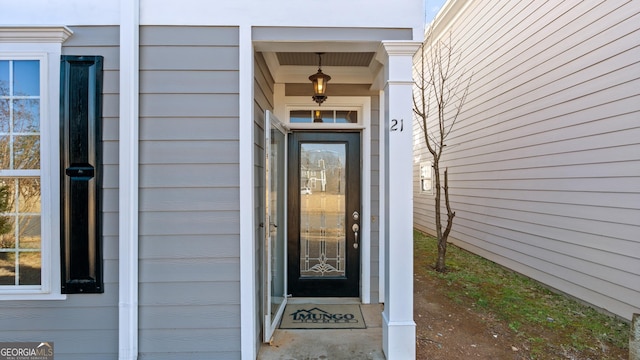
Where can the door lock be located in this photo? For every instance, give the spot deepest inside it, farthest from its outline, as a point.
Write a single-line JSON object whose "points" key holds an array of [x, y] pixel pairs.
{"points": [[355, 215], [355, 229]]}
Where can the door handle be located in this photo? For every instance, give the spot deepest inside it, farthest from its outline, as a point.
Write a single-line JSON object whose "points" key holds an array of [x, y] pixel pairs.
{"points": [[355, 229]]}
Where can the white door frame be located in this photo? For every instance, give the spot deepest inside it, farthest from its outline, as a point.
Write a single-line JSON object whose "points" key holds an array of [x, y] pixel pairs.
{"points": [[271, 320], [283, 104]]}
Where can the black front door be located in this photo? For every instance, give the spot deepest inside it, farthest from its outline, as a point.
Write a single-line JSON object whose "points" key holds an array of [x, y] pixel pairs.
{"points": [[324, 214]]}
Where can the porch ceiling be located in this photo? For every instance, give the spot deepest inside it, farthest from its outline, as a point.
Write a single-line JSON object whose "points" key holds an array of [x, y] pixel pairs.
{"points": [[328, 59], [355, 67]]}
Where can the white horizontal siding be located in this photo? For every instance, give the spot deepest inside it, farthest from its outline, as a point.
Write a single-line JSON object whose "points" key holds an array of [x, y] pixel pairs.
{"points": [[189, 220], [544, 160]]}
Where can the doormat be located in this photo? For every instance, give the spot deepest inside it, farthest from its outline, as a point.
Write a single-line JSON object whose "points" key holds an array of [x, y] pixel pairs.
{"points": [[322, 316]]}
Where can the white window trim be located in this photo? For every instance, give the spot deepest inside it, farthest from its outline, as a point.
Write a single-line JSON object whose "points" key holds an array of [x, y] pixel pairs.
{"points": [[426, 164], [43, 43], [359, 103]]}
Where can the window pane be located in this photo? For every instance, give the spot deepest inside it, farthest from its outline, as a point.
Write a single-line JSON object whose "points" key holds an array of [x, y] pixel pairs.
{"points": [[26, 116], [26, 152], [8, 239], [29, 234], [4, 115], [7, 268], [324, 115], [4, 78], [8, 191], [322, 210], [5, 154], [300, 116], [29, 195], [29, 266], [7, 214], [26, 78], [347, 117]]}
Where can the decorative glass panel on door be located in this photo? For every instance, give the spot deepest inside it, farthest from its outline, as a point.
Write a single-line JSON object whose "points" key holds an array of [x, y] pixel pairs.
{"points": [[322, 210]]}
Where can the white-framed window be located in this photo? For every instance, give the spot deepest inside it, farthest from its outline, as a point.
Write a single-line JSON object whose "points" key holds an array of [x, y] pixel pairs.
{"points": [[324, 116], [426, 177], [29, 162], [336, 113]]}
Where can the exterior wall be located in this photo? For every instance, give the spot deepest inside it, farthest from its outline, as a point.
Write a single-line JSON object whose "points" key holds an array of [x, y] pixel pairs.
{"points": [[190, 237], [84, 325], [189, 193], [543, 162], [263, 90]]}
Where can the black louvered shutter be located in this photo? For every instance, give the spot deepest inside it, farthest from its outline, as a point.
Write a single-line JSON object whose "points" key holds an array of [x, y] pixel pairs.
{"points": [[81, 183]]}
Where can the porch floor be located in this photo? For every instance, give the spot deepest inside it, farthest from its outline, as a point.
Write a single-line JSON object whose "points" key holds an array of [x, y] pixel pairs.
{"points": [[351, 344]]}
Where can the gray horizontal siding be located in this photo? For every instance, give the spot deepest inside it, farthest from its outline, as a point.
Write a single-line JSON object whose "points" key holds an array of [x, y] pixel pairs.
{"points": [[176, 35], [191, 199], [188, 105], [83, 326], [189, 175], [181, 344], [163, 128], [189, 223], [181, 294], [190, 152], [193, 246], [263, 100], [543, 162], [189, 219], [189, 82]]}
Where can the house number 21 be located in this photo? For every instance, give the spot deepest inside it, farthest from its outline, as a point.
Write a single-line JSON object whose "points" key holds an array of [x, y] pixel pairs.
{"points": [[394, 125]]}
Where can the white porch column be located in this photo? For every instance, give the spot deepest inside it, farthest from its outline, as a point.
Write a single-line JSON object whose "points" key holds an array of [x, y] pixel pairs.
{"points": [[398, 329], [128, 180]]}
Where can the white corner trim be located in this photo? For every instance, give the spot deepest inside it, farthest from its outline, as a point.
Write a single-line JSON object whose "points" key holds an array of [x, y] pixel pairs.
{"points": [[34, 34], [365, 261], [128, 180], [248, 281]]}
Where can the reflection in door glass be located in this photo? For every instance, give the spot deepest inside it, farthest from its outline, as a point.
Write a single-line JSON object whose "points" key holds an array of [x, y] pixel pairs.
{"points": [[322, 209]]}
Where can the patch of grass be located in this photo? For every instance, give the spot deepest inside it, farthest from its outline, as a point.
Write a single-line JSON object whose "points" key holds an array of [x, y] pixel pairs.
{"points": [[548, 323]]}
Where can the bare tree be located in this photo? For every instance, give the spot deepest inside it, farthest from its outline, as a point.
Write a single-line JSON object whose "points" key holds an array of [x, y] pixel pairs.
{"points": [[441, 89]]}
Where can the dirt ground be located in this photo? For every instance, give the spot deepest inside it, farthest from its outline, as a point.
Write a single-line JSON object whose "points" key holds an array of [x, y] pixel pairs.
{"points": [[450, 331]]}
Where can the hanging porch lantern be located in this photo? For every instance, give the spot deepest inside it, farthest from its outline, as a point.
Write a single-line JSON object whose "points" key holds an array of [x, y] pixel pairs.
{"points": [[319, 81]]}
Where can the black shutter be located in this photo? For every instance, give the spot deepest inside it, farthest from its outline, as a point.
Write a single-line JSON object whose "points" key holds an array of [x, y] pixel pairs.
{"points": [[81, 183]]}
